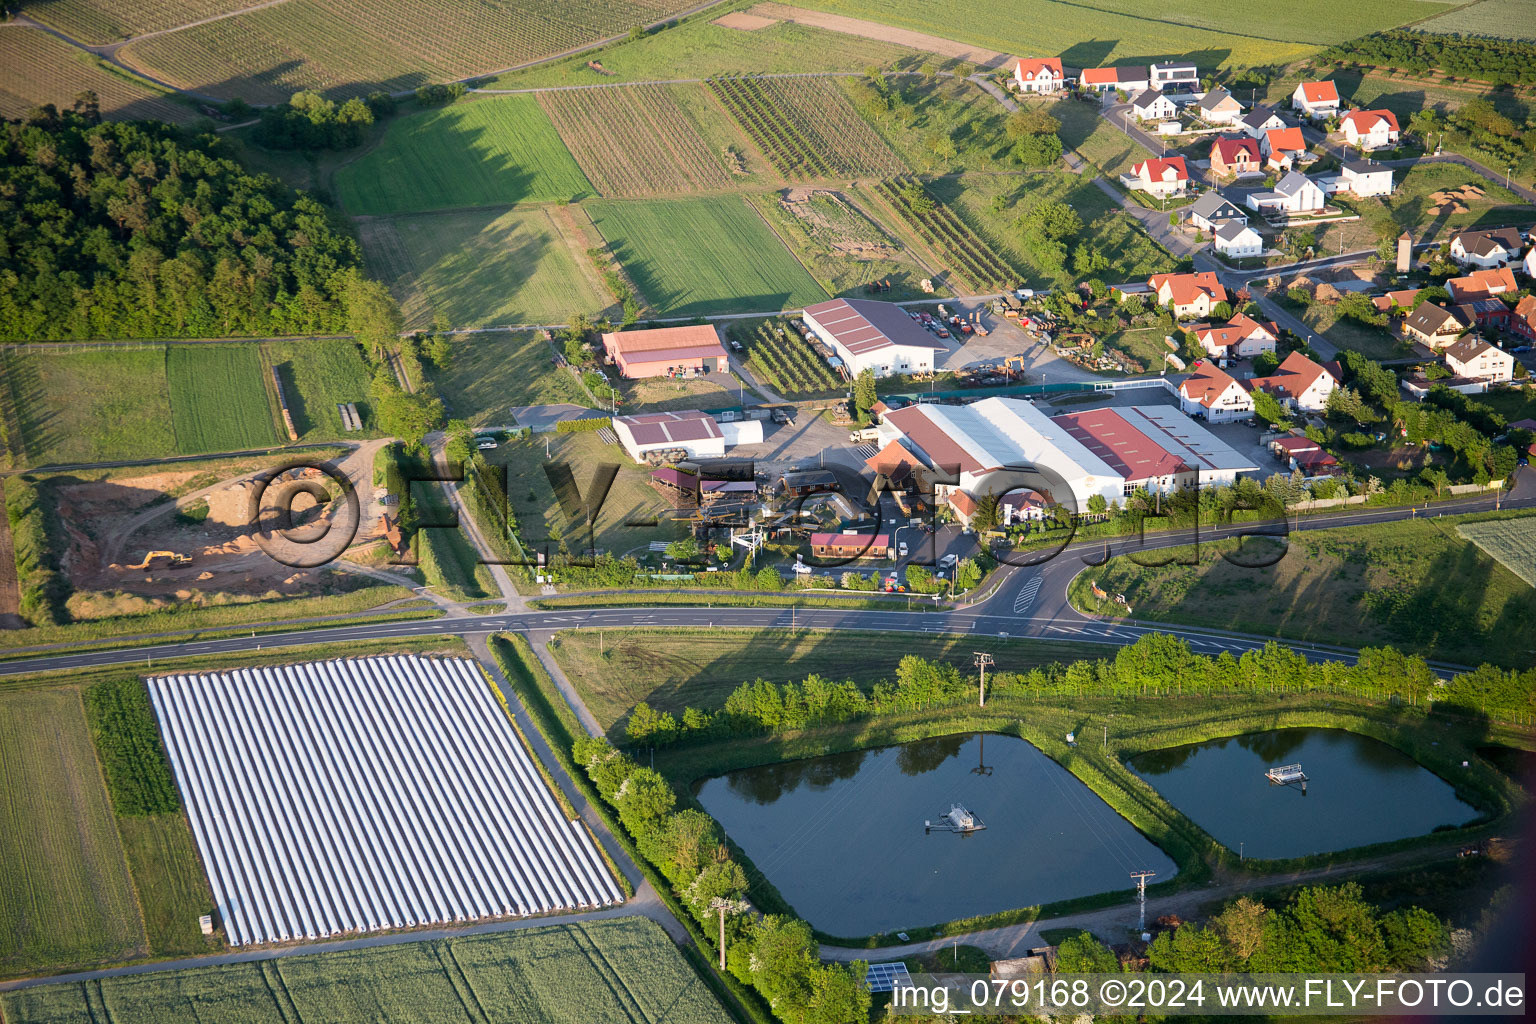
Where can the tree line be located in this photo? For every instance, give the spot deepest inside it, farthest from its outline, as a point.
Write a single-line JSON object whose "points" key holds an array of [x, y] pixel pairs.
{"points": [[1500, 61], [145, 230], [775, 954], [1157, 664]]}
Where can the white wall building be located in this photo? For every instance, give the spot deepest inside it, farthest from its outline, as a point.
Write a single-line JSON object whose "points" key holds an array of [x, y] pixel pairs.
{"points": [[1236, 239], [1294, 194], [874, 336], [696, 433], [1475, 359], [1370, 129], [1214, 394]]}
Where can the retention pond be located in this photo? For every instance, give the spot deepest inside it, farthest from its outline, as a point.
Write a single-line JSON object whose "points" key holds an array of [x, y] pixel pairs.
{"points": [[1358, 791], [843, 838]]}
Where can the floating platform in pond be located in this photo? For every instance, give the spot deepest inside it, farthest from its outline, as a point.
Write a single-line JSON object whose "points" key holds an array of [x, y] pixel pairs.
{"points": [[956, 819]]}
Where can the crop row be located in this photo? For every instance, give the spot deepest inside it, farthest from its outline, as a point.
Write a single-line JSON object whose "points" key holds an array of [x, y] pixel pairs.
{"points": [[634, 141], [791, 155], [785, 361], [940, 227], [40, 68], [823, 114]]}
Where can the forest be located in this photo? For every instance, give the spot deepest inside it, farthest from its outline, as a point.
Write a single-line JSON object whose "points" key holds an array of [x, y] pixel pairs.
{"points": [[145, 230], [1500, 61]]}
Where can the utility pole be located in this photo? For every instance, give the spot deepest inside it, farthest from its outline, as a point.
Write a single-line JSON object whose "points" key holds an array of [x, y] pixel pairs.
{"points": [[726, 906], [1141, 897], [983, 659]]}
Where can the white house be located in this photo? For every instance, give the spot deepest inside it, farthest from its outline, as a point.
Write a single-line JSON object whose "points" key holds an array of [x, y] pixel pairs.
{"points": [[1175, 75], [1529, 265], [1241, 337], [1366, 179], [1158, 176], [1039, 74], [1491, 247], [1211, 392], [1236, 239], [1475, 359], [1370, 129], [1210, 209], [1219, 107], [874, 336], [1298, 383], [1187, 294], [1153, 106], [1319, 100], [1294, 194], [1260, 120], [1283, 148]]}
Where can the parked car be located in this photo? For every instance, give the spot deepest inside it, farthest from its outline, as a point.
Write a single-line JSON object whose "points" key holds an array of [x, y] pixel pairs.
{"points": [[485, 442], [948, 561], [901, 550]]}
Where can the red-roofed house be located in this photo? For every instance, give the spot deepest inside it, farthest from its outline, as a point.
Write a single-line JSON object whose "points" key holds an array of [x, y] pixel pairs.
{"points": [[1482, 284], [1316, 99], [1283, 148], [1524, 320], [894, 462], [1188, 294], [1318, 463], [1234, 156], [1242, 337], [850, 545], [1159, 176], [1399, 300], [1370, 129], [1298, 382], [1131, 80], [665, 351], [1213, 393], [1039, 74]]}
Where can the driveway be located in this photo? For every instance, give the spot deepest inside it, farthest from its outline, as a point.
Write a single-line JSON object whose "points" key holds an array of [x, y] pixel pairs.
{"points": [[542, 418]]}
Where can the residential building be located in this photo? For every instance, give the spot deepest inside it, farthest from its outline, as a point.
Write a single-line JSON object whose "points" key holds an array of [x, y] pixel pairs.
{"points": [[1242, 337], [850, 544], [665, 351], [1436, 326], [1152, 105], [1482, 284], [695, 433], [1175, 75], [874, 336], [1211, 209], [1398, 300], [1211, 392], [1370, 129], [1475, 359], [1283, 148], [1294, 195], [1299, 383], [1366, 179], [1260, 120], [1234, 156], [1129, 80], [1154, 448], [1219, 107], [1530, 263], [1159, 176], [1318, 100], [1039, 74], [1237, 240], [1188, 294], [1492, 247], [1523, 323], [1487, 312]]}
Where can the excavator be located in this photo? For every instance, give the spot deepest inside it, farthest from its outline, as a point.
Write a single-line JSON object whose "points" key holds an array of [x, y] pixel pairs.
{"points": [[163, 560], [1013, 366]]}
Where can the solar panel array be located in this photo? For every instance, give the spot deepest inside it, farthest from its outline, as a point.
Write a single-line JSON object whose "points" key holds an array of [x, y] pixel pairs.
{"points": [[367, 794], [888, 977]]}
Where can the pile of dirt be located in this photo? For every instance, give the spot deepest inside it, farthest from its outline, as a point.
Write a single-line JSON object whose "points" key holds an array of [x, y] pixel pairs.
{"points": [[1326, 292], [1454, 200]]}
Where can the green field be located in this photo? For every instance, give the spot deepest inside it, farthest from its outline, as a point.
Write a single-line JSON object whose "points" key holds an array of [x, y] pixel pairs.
{"points": [[622, 667], [486, 153], [1120, 31], [1415, 585], [65, 893], [698, 256], [91, 406], [490, 373], [316, 376], [1512, 542], [1501, 19], [219, 399], [614, 970], [483, 268]]}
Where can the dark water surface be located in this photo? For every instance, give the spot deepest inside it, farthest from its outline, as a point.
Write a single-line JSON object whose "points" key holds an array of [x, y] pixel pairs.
{"points": [[1360, 791], [842, 838]]}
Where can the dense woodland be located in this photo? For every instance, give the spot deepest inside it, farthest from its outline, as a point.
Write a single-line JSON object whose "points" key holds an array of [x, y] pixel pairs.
{"points": [[1500, 61], [143, 230]]}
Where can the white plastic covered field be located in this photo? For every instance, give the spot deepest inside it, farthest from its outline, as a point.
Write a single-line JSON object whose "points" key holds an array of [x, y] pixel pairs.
{"points": [[367, 794]]}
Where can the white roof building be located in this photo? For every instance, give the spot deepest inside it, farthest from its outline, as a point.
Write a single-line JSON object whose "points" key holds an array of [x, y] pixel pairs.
{"points": [[875, 336]]}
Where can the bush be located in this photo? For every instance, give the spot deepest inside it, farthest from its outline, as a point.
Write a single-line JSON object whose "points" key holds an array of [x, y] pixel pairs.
{"points": [[128, 744], [585, 426], [42, 587]]}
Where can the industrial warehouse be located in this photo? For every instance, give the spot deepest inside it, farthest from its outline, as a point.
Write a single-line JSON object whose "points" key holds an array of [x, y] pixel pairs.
{"points": [[367, 794]]}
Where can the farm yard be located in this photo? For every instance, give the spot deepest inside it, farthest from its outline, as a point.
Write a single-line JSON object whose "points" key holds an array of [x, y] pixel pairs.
{"points": [[807, 127], [490, 152], [40, 68], [965, 251], [221, 400], [65, 895], [839, 244], [784, 361], [635, 140], [707, 255], [478, 268], [624, 970], [347, 48]]}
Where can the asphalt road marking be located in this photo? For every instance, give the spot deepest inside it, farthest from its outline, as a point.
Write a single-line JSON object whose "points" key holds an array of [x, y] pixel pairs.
{"points": [[1027, 595]]}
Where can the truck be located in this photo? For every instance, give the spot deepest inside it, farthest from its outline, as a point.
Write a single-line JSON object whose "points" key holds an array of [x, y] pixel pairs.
{"points": [[864, 435]]}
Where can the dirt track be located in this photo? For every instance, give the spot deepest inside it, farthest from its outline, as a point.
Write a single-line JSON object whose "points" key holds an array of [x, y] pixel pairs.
{"points": [[883, 33]]}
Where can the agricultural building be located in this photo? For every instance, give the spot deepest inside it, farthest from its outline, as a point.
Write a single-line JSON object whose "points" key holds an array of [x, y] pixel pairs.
{"points": [[1155, 448], [874, 336], [367, 794], [665, 351], [802, 483], [850, 544], [696, 434]]}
